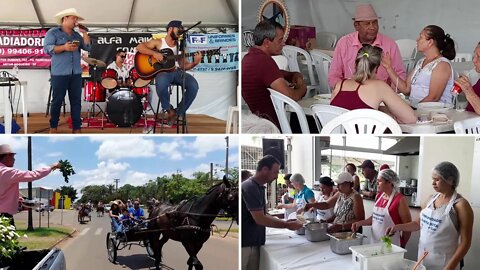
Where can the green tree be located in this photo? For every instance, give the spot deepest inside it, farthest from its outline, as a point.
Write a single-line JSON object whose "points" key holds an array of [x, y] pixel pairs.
{"points": [[69, 191], [94, 193]]}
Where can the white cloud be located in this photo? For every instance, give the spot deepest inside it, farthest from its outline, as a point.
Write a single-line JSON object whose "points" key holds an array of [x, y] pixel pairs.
{"points": [[135, 178], [171, 149], [16, 143], [206, 144], [54, 154], [61, 138], [124, 147], [104, 174]]}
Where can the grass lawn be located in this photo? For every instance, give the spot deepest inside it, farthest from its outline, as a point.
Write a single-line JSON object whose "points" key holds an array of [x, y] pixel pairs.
{"points": [[41, 238]]}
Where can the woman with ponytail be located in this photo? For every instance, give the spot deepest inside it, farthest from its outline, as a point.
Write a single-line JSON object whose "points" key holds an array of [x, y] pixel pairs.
{"points": [[364, 91], [432, 77]]}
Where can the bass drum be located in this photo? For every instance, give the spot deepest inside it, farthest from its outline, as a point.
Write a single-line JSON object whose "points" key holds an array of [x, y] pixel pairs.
{"points": [[124, 108]]}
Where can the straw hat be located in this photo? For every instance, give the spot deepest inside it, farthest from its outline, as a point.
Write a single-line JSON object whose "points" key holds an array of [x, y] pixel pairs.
{"points": [[365, 12], [344, 177], [6, 149], [67, 12]]}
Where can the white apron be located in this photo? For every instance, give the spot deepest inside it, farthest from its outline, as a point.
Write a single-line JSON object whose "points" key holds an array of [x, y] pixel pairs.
{"points": [[324, 214], [381, 220], [438, 235]]}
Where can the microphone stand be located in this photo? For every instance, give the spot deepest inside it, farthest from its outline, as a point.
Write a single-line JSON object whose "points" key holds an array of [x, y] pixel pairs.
{"points": [[181, 48]]}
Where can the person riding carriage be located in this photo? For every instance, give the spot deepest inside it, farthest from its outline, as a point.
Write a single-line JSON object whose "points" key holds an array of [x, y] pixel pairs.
{"points": [[100, 208]]}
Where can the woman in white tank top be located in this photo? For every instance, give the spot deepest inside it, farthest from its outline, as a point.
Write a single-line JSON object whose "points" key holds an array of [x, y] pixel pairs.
{"points": [[432, 78]]}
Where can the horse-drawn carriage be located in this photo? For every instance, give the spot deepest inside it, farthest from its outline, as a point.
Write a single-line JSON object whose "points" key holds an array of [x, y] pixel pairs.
{"points": [[189, 223], [135, 234]]}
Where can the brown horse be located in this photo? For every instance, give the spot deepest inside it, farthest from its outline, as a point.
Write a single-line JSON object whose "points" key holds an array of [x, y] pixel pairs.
{"points": [[84, 212], [100, 210], [189, 222]]}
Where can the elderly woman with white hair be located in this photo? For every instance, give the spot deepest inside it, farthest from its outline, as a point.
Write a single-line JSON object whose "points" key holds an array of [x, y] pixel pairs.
{"points": [[303, 194], [445, 222], [390, 208], [347, 203]]}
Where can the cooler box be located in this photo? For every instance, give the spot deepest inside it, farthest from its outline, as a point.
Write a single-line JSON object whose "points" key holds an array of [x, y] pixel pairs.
{"points": [[374, 256], [299, 35]]}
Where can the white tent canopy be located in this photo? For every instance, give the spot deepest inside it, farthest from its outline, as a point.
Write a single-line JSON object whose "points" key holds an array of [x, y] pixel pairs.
{"points": [[122, 12]]}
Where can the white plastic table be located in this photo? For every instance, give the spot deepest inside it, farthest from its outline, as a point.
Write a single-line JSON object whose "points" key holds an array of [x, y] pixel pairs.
{"points": [[433, 128]]}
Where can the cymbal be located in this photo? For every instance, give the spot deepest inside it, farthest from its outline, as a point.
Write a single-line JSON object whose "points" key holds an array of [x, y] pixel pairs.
{"points": [[95, 62]]}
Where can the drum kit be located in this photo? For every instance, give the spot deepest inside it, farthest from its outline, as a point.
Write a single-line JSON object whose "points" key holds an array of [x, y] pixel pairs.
{"points": [[127, 99]]}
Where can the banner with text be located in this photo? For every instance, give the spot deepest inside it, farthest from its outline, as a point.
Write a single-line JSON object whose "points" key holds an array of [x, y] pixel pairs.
{"points": [[23, 48], [225, 59]]}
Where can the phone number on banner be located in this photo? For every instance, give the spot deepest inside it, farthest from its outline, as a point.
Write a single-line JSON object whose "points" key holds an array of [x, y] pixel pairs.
{"points": [[23, 51]]}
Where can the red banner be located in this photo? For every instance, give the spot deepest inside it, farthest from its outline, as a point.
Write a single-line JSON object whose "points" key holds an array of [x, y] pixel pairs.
{"points": [[23, 48]]}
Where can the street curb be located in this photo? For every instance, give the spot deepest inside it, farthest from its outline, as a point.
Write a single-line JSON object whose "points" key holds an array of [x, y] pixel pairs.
{"points": [[61, 240]]}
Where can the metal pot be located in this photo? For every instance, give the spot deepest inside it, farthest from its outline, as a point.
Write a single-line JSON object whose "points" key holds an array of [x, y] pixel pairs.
{"points": [[300, 231], [414, 182], [340, 242], [316, 232]]}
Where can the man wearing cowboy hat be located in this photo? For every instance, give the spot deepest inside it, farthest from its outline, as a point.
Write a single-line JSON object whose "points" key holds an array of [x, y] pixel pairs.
{"points": [[64, 44], [366, 26], [10, 179], [176, 77]]}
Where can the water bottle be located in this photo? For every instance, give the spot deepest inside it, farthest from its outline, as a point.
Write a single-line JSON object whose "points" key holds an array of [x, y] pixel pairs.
{"points": [[15, 71]]}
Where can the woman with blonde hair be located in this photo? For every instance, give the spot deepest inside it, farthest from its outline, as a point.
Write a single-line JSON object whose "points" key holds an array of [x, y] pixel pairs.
{"points": [[364, 91]]}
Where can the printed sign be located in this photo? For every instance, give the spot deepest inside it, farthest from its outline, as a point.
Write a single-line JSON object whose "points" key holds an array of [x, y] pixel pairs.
{"points": [[23, 48], [226, 59]]}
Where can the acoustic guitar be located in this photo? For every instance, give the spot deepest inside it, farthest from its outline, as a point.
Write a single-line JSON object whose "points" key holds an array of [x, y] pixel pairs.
{"points": [[147, 66]]}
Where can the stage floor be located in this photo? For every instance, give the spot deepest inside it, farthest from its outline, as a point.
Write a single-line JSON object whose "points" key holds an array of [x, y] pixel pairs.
{"points": [[38, 123]]}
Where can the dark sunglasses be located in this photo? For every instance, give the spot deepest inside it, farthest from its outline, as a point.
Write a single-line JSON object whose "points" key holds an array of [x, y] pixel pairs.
{"points": [[123, 56]]}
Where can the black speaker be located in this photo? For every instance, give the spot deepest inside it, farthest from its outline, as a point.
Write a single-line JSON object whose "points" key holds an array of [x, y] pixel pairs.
{"points": [[275, 147]]}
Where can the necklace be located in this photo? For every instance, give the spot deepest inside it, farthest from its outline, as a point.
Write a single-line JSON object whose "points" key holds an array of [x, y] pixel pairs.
{"points": [[428, 61]]}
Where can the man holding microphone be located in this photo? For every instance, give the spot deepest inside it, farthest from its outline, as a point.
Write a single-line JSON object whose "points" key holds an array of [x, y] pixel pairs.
{"points": [[63, 43]]}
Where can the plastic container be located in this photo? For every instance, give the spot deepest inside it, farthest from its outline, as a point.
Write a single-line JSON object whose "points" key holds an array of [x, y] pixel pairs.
{"points": [[341, 242], [374, 257], [407, 265], [316, 232], [300, 231]]}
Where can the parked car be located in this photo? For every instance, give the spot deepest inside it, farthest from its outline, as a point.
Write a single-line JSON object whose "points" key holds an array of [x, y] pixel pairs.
{"points": [[43, 207], [107, 207], [43, 259]]}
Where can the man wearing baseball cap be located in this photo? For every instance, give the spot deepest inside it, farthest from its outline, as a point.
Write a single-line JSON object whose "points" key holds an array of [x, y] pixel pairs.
{"points": [[10, 179], [369, 188], [366, 26], [164, 79], [63, 44]]}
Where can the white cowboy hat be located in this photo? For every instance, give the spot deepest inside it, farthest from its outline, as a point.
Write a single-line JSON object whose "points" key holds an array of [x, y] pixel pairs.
{"points": [[67, 12], [6, 149]]}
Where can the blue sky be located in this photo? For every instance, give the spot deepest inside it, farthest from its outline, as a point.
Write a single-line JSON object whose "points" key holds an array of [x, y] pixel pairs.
{"points": [[132, 159]]}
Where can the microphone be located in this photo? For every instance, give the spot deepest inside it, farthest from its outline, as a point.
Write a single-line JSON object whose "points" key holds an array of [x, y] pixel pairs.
{"points": [[83, 27]]}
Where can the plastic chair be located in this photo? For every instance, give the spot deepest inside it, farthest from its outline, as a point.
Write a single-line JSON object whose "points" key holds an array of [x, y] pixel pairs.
{"points": [[363, 121], [324, 113], [467, 126], [293, 53], [326, 40], [279, 101], [463, 57], [408, 51], [232, 119], [322, 63], [282, 61]]}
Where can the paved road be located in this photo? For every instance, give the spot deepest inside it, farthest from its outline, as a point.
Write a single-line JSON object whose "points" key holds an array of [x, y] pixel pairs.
{"points": [[87, 248]]}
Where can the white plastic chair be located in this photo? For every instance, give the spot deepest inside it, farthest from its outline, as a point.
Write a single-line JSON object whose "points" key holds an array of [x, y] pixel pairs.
{"points": [[326, 40], [408, 51], [467, 126], [463, 57], [363, 121], [281, 61], [324, 113], [292, 53], [232, 119], [322, 63], [279, 102]]}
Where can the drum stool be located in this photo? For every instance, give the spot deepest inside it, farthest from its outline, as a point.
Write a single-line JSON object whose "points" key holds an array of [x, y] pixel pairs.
{"points": [[182, 122]]}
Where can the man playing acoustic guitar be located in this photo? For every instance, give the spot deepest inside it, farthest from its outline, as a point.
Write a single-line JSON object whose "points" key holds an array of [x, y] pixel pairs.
{"points": [[164, 79]]}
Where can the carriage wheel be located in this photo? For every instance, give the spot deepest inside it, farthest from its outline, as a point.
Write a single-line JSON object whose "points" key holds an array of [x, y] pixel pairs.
{"points": [[149, 248], [111, 249], [79, 219]]}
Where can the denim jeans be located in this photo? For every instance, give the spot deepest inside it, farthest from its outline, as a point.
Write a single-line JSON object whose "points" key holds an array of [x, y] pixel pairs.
{"points": [[60, 85], [164, 79], [115, 225]]}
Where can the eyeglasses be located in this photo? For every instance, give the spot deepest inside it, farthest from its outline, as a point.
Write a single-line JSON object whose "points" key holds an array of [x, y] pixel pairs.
{"points": [[123, 56]]}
